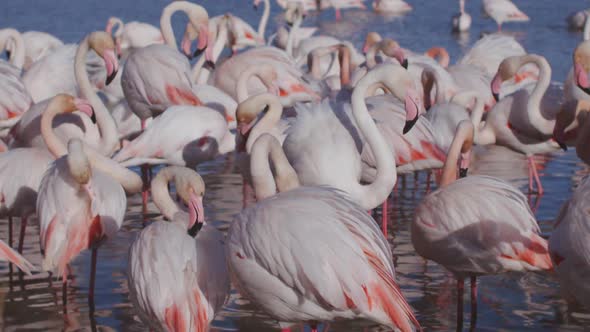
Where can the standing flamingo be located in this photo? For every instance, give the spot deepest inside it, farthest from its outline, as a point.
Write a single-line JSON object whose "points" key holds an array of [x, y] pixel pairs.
{"points": [[350, 275], [503, 11], [178, 281], [462, 21], [569, 246], [81, 203], [477, 225]]}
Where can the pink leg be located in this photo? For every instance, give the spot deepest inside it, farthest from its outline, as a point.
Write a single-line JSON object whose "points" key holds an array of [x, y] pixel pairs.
{"points": [[460, 287], [21, 238], [384, 217], [499, 27], [64, 291], [286, 330], [530, 175], [326, 327], [338, 14], [536, 175], [473, 302], [314, 328]]}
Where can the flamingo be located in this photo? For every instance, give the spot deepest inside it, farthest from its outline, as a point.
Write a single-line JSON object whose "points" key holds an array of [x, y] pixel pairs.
{"points": [[81, 203], [477, 225], [569, 246], [37, 44], [461, 22], [391, 7], [132, 35], [336, 162], [158, 76], [522, 121], [296, 34], [503, 11], [178, 281], [577, 84], [101, 136], [356, 278], [22, 169], [14, 97]]}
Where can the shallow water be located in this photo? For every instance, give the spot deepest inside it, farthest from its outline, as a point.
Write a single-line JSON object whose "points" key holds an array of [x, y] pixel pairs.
{"points": [[507, 302]]}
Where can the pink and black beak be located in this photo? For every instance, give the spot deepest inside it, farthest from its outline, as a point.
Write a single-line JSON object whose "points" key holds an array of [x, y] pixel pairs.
{"points": [[464, 164], [412, 110], [581, 78], [558, 136], [496, 85], [8, 54], [196, 214], [111, 64], [400, 56], [85, 107]]}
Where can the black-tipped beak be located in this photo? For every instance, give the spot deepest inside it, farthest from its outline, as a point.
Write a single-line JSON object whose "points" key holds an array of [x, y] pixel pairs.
{"points": [[198, 52], [193, 231], [496, 96], [290, 24], [189, 57], [409, 124], [405, 63], [562, 145], [210, 65], [93, 117], [111, 77], [586, 90], [463, 172], [8, 54]]}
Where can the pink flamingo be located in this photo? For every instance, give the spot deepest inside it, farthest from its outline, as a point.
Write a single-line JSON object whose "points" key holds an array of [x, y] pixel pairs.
{"points": [[477, 225], [356, 278], [503, 11], [178, 281], [81, 203], [569, 245]]}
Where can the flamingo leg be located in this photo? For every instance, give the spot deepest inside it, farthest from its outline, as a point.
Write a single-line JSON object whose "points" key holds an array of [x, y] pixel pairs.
{"points": [[473, 302], [460, 288], [499, 27], [338, 14], [92, 281], [384, 217], [530, 177], [535, 175], [314, 328], [144, 193], [428, 179], [326, 327], [21, 238], [64, 291], [10, 244]]}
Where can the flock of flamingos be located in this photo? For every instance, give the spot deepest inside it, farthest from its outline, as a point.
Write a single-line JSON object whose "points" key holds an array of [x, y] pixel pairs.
{"points": [[320, 130]]}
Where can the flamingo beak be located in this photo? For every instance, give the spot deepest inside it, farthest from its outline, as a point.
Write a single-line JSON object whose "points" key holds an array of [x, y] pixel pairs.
{"points": [[412, 110], [464, 164], [496, 84], [558, 138], [196, 214], [8, 54], [185, 45], [582, 78], [112, 65], [85, 107], [399, 55]]}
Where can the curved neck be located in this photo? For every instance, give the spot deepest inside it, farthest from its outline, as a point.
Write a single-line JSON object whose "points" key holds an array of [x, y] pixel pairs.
{"points": [[431, 79], [265, 185], [166, 24], [161, 195], [292, 33], [117, 22], [129, 180], [268, 121], [449, 173], [242, 84], [462, 6], [587, 28], [534, 102], [200, 74], [109, 141], [376, 192], [56, 147], [264, 19], [17, 56]]}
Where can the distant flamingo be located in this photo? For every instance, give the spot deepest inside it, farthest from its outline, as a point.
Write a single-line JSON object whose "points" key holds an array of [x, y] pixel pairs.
{"points": [[569, 246], [356, 278], [132, 35], [477, 225], [81, 203], [178, 277], [503, 11], [462, 21], [523, 121], [158, 76], [391, 7]]}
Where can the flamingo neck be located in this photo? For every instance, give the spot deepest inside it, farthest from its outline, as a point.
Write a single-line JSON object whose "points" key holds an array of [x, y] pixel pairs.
{"points": [[431, 79], [56, 147], [166, 20], [17, 57], [242, 84], [109, 141], [264, 19], [268, 121], [119, 24], [200, 74], [292, 33], [464, 98], [265, 185], [449, 173], [583, 136], [161, 195], [534, 102], [462, 6], [587, 28], [375, 193]]}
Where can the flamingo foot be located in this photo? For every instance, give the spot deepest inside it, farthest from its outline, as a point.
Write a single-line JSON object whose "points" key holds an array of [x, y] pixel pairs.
{"points": [[21, 238], [460, 288], [473, 302]]}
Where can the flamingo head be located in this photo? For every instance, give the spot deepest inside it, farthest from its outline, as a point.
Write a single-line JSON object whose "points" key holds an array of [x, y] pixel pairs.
{"points": [[571, 116], [507, 70], [194, 32], [294, 12], [191, 189], [251, 110], [392, 49], [439, 53], [104, 45], [465, 131], [69, 104], [256, 3], [582, 66], [371, 39]]}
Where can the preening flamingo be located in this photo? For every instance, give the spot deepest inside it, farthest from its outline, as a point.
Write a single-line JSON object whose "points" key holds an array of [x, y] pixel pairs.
{"points": [[37, 44], [477, 225], [523, 121], [178, 277], [356, 278], [503, 11], [100, 132], [569, 245], [132, 35], [81, 203]]}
